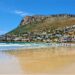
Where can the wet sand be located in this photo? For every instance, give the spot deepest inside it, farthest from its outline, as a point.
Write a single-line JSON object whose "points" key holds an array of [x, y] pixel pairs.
{"points": [[43, 61], [9, 65]]}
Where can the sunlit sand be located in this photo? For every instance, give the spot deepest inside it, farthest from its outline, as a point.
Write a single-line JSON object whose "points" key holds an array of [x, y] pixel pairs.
{"points": [[56, 60]]}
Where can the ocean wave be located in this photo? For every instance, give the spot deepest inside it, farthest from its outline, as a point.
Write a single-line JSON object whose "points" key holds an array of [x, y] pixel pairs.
{"points": [[12, 46]]}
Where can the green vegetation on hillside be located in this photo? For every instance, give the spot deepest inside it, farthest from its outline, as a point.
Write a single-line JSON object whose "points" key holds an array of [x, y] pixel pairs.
{"points": [[47, 25]]}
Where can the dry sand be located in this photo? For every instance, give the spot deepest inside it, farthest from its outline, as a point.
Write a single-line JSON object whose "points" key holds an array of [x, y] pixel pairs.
{"points": [[43, 61]]}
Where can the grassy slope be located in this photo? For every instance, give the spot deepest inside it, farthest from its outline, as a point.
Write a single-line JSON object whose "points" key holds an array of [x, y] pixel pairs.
{"points": [[46, 25]]}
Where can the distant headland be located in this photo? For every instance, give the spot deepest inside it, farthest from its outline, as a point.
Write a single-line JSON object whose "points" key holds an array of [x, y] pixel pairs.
{"points": [[40, 28]]}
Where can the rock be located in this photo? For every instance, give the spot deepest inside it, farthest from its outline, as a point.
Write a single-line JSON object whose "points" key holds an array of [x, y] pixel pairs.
{"points": [[38, 18], [31, 19]]}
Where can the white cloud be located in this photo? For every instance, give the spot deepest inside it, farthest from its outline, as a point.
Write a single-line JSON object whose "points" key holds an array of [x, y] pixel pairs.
{"points": [[21, 13]]}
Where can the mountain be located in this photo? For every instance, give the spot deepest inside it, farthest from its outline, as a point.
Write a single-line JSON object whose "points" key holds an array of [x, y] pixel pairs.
{"points": [[41, 23]]}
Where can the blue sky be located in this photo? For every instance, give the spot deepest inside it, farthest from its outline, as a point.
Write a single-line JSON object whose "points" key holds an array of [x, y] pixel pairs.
{"points": [[12, 11]]}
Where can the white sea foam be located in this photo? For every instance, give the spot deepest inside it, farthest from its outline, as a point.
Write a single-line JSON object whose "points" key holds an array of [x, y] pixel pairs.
{"points": [[14, 46], [11, 46]]}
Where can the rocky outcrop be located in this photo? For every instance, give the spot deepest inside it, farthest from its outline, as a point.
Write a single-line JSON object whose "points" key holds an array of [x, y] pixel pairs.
{"points": [[38, 18], [31, 19]]}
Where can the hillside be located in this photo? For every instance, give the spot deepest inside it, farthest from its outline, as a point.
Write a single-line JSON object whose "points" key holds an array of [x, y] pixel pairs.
{"points": [[40, 23]]}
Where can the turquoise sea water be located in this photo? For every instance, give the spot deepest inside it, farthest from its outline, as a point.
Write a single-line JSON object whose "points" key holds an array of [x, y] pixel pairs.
{"points": [[14, 46]]}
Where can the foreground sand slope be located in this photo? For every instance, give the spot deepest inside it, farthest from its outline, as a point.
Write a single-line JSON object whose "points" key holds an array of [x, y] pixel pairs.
{"points": [[56, 60]]}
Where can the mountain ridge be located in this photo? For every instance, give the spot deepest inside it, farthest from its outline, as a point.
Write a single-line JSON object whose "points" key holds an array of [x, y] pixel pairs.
{"points": [[43, 23], [38, 18]]}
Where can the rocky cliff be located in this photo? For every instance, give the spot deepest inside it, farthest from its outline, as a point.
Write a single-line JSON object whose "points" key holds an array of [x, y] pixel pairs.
{"points": [[39, 18], [31, 19]]}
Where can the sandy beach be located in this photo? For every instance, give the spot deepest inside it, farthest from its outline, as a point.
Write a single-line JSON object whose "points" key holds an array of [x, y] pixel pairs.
{"points": [[9, 65], [46, 61]]}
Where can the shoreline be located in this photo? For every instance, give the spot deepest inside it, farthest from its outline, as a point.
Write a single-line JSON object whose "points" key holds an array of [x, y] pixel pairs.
{"points": [[14, 47]]}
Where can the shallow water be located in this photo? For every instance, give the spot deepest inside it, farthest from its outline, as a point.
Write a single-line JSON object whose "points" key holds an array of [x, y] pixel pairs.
{"points": [[14, 46]]}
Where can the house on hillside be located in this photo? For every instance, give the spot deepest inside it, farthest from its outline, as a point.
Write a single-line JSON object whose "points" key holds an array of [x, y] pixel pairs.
{"points": [[2, 38], [17, 39], [64, 38]]}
